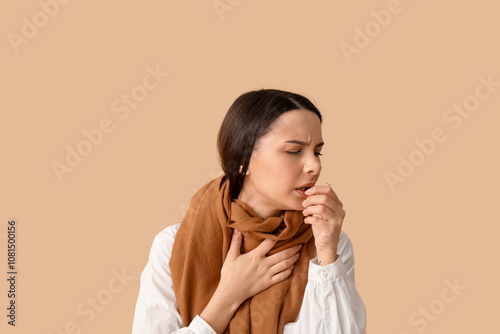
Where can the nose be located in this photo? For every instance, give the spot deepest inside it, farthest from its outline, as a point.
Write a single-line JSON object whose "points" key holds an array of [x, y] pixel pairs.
{"points": [[312, 165]]}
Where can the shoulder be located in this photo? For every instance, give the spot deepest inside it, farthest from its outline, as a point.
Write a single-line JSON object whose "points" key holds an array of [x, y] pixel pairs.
{"points": [[168, 233], [164, 240]]}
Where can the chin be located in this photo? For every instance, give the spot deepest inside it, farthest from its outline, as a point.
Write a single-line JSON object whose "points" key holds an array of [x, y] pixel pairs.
{"points": [[296, 207]]}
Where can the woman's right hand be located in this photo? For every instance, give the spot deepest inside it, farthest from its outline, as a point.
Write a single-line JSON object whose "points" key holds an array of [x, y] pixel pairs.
{"points": [[243, 276]]}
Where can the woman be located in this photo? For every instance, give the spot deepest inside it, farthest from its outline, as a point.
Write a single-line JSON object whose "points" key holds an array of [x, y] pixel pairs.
{"points": [[260, 249]]}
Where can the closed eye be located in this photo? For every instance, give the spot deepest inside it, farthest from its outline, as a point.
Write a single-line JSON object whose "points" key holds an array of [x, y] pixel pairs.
{"points": [[297, 152]]}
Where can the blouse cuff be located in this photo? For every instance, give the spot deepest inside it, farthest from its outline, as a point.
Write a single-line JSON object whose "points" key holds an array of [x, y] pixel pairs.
{"points": [[198, 325], [329, 273]]}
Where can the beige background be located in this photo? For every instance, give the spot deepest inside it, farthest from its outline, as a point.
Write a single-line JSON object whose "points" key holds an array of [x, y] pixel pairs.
{"points": [[440, 224]]}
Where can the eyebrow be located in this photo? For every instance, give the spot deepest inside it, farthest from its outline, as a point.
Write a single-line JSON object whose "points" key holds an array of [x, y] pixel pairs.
{"points": [[302, 143]]}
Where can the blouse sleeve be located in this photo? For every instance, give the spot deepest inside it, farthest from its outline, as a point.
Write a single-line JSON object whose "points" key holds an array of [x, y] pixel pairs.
{"points": [[331, 301], [156, 310]]}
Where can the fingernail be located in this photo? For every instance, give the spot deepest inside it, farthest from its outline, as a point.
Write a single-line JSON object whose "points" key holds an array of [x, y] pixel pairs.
{"points": [[304, 203], [236, 231], [300, 246], [308, 191]]}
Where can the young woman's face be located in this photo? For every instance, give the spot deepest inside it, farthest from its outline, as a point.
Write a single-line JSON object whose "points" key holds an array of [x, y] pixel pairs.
{"points": [[286, 158]]}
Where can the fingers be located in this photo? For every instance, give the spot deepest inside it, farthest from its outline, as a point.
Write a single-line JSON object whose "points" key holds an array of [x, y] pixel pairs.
{"points": [[280, 263], [281, 276], [325, 189], [285, 264], [320, 199], [265, 246], [283, 255], [321, 210], [320, 223], [322, 205], [235, 245]]}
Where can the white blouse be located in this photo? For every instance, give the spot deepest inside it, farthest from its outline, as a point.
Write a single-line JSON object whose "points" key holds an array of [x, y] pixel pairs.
{"points": [[331, 303]]}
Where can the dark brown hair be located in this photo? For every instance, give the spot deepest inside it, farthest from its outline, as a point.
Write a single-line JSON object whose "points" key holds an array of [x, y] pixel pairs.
{"points": [[249, 118]]}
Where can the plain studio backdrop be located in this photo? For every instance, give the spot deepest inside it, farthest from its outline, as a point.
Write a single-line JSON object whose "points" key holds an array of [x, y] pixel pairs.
{"points": [[110, 112]]}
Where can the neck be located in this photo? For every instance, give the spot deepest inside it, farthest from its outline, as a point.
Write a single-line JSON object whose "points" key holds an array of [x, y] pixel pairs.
{"points": [[261, 209]]}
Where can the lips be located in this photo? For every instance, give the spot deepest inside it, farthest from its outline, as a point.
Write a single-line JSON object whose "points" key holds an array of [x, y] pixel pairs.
{"points": [[306, 186]]}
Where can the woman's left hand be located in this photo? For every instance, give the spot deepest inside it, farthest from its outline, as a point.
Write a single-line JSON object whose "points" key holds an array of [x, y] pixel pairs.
{"points": [[323, 210]]}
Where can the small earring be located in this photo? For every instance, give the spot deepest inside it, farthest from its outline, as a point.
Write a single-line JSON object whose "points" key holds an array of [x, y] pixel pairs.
{"points": [[241, 169]]}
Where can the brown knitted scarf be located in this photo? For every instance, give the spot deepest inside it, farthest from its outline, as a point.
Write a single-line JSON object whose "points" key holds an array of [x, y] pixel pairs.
{"points": [[201, 246]]}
